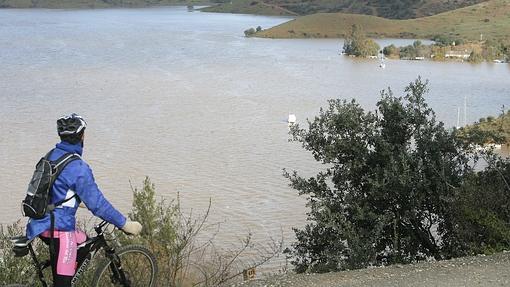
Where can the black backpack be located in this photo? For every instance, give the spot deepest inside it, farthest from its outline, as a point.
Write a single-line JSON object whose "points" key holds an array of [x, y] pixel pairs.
{"points": [[37, 201]]}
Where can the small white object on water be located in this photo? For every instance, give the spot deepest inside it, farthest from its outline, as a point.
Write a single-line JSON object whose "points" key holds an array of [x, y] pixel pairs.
{"points": [[292, 119]]}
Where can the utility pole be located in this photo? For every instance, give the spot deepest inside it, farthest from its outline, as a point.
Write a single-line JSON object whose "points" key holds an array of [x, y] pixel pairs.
{"points": [[465, 110], [458, 117]]}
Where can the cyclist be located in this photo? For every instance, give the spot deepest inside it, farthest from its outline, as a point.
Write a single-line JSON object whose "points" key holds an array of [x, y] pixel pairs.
{"points": [[77, 184]]}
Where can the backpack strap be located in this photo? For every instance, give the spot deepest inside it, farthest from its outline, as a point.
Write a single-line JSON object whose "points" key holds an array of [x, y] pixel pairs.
{"points": [[47, 156], [58, 166]]}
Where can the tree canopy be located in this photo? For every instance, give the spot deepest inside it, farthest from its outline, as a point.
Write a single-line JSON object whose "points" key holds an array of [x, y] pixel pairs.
{"points": [[389, 182], [357, 44]]}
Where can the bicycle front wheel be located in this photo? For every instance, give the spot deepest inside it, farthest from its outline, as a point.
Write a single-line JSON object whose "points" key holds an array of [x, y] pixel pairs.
{"points": [[138, 265]]}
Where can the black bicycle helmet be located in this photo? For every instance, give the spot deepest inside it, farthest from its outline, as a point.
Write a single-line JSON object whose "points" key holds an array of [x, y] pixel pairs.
{"points": [[70, 125]]}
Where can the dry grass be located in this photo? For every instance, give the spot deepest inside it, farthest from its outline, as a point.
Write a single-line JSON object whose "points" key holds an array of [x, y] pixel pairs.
{"points": [[492, 19]]}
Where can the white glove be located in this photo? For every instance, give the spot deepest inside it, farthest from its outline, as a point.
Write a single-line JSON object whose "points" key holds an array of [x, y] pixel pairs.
{"points": [[132, 227]]}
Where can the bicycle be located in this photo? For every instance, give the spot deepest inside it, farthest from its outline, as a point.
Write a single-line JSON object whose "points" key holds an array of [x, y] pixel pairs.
{"points": [[116, 269]]}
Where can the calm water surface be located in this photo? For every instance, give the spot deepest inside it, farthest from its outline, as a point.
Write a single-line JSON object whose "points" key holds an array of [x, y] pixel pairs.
{"points": [[186, 99]]}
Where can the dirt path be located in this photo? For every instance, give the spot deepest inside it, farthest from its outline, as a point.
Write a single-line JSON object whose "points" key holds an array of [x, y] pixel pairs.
{"points": [[484, 271]]}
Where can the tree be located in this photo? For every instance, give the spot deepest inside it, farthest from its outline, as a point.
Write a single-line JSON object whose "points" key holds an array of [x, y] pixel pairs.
{"points": [[475, 57], [408, 52], [249, 32], [481, 214], [357, 44], [385, 191], [391, 51]]}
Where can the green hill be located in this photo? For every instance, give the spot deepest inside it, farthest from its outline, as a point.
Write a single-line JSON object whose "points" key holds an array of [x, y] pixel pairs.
{"points": [[394, 9], [250, 7], [490, 19]]}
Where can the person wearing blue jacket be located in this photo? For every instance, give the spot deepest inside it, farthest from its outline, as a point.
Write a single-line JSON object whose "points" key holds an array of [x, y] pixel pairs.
{"points": [[76, 184]]}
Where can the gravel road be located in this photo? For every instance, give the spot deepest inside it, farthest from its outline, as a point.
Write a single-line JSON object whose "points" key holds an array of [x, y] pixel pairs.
{"points": [[487, 271]]}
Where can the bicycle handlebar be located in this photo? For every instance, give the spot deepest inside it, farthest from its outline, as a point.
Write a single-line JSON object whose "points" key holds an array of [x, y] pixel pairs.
{"points": [[99, 228]]}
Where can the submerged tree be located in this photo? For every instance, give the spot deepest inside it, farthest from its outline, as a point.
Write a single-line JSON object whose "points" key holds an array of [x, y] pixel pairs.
{"points": [[357, 44], [388, 181]]}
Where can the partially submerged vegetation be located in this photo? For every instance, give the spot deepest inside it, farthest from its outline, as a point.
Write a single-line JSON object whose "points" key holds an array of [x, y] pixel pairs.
{"points": [[358, 45], [251, 31], [474, 52]]}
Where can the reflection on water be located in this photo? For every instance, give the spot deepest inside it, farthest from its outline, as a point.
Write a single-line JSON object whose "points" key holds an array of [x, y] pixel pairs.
{"points": [[187, 100]]}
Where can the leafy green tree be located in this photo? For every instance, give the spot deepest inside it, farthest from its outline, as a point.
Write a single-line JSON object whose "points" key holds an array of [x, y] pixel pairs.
{"points": [[408, 52], [481, 210], [391, 51], [357, 44], [387, 183]]}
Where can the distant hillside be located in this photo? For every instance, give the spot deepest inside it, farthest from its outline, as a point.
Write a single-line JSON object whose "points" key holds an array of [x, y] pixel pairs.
{"points": [[93, 3], [250, 7], [490, 19], [393, 9]]}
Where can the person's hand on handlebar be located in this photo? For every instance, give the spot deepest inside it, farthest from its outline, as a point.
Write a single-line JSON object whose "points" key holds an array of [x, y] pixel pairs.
{"points": [[132, 227]]}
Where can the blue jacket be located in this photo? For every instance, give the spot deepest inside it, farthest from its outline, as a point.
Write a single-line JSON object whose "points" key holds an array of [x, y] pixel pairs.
{"points": [[77, 178]]}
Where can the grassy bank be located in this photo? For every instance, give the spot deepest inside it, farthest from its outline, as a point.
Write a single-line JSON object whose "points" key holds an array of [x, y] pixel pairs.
{"points": [[490, 130], [490, 19]]}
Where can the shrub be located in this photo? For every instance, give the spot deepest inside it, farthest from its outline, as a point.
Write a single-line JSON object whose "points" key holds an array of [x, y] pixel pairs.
{"points": [[185, 259], [249, 32], [14, 270]]}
